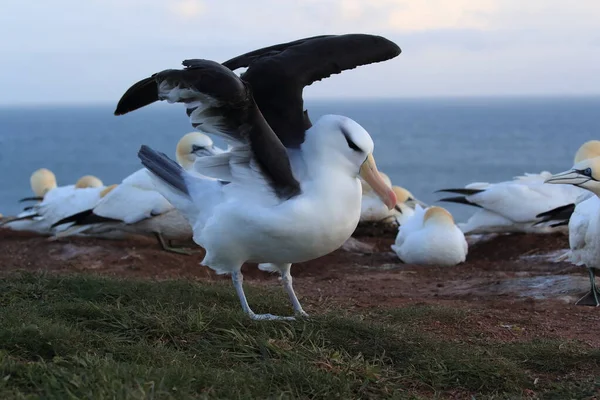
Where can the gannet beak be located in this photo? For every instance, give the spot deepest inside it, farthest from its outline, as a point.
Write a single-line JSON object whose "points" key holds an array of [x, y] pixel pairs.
{"points": [[369, 172], [412, 202], [205, 151], [570, 177]]}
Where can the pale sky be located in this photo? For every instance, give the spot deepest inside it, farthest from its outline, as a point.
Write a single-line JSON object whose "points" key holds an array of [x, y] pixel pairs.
{"points": [[76, 51]]}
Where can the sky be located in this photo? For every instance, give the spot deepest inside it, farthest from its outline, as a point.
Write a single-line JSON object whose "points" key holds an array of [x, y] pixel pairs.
{"points": [[74, 51]]}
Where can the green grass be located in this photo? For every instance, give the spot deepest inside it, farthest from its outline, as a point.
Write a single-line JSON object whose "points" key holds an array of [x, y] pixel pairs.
{"points": [[86, 337]]}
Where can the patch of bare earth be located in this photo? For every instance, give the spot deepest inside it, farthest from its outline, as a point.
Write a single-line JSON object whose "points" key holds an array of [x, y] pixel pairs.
{"points": [[510, 288]]}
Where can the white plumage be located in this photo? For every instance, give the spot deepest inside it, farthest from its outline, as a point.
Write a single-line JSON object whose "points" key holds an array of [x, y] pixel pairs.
{"points": [[513, 206], [135, 206], [57, 204], [287, 189], [430, 237]]}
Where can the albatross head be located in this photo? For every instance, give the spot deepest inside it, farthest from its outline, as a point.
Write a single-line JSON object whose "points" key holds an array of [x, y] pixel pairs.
{"points": [[193, 145], [589, 149], [88, 181], [585, 174], [348, 147], [42, 181]]}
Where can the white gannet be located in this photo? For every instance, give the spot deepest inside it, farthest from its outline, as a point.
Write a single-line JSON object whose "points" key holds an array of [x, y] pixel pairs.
{"points": [[430, 237], [374, 210], [135, 206], [57, 203], [577, 216], [511, 206], [406, 204], [42, 181], [287, 191], [584, 224], [560, 215]]}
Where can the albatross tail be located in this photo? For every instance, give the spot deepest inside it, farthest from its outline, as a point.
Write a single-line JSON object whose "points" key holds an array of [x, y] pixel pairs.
{"points": [[182, 189], [167, 170]]}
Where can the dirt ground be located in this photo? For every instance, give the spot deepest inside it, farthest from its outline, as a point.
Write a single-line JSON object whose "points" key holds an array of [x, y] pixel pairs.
{"points": [[510, 286]]}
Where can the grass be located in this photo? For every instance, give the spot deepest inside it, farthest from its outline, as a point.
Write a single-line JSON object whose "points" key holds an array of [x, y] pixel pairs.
{"points": [[74, 337]]}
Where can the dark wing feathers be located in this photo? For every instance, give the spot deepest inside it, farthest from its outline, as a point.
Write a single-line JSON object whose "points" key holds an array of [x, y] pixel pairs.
{"points": [[464, 192], [561, 215], [264, 109], [35, 198], [245, 60], [278, 74], [459, 200], [86, 217], [141, 94], [219, 102]]}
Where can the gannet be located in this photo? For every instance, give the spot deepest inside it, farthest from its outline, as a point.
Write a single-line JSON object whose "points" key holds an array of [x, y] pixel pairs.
{"points": [[584, 224], [374, 210], [511, 206], [430, 237], [135, 206], [57, 203]]}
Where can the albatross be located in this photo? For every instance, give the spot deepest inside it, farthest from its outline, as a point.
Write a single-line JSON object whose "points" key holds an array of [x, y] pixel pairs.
{"points": [[287, 191]]}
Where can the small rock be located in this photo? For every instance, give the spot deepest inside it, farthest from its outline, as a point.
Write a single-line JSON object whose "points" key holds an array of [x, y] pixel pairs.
{"points": [[355, 246]]}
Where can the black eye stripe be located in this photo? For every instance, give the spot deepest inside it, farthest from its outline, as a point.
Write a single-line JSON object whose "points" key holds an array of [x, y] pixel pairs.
{"points": [[351, 144]]}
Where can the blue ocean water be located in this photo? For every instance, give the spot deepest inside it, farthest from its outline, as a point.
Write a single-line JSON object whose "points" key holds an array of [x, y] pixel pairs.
{"points": [[423, 145]]}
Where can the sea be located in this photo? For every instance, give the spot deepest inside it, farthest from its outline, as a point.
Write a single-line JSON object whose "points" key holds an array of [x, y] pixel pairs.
{"points": [[422, 144]]}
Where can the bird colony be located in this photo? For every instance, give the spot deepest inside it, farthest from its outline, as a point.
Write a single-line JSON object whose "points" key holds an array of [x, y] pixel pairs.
{"points": [[287, 189]]}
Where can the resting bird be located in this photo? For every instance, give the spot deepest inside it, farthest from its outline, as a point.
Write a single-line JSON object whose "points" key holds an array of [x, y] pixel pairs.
{"points": [[284, 192], [430, 237], [42, 181], [57, 203], [374, 210], [135, 206], [511, 206]]}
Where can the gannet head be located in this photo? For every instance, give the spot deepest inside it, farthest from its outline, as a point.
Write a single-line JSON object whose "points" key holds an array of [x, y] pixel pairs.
{"points": [[42, 181], [438, 216], [406, 197], [107, 190], [585, 174], [346, 146], [88, 181], [589, 149], [193, 145]]}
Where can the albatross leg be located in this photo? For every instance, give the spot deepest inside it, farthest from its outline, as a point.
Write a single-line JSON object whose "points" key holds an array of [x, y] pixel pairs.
{"points": [[286, 279], [238, 281], [593, 296], [172, 249]]}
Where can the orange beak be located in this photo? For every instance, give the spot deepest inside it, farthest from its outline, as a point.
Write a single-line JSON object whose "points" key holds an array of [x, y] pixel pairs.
{"points": [[369, 172]]}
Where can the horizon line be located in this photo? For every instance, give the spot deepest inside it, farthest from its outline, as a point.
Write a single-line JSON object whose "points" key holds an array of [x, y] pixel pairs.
{"points": [[328, 98]]}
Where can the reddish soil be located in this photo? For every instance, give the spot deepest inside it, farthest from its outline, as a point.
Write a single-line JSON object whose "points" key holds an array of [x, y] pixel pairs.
{"points": [[509, 286]]}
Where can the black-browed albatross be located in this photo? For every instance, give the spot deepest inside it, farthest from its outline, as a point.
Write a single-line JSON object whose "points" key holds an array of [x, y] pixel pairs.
{"points": [[293, 192]]}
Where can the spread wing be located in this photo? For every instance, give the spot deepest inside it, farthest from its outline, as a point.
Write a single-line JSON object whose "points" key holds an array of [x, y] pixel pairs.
{"points": [[278, 74], [217, 101]]}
